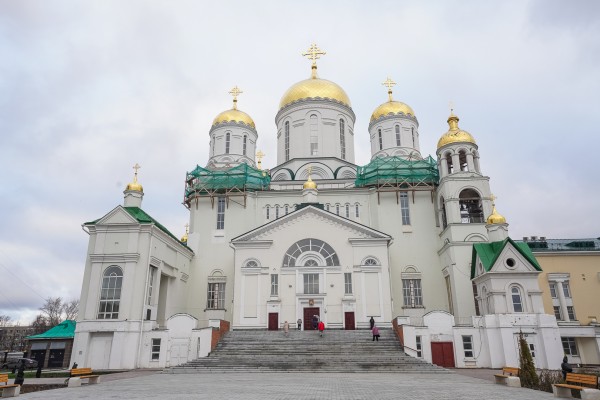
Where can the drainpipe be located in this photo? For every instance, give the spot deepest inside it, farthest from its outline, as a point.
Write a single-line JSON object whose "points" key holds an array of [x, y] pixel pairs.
{"points": [[139, 350]]}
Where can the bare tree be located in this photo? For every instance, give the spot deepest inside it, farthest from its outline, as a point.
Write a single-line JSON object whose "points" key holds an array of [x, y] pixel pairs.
{"points": [[52, 310], [40, 324], [70, 309], [4, 320]]}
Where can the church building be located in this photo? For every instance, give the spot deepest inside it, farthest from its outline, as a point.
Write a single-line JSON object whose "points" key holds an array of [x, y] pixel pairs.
{"points": [[410, 239]]}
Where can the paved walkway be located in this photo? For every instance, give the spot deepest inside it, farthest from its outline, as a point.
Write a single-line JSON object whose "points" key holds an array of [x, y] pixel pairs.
{"points": [[295, 386]]}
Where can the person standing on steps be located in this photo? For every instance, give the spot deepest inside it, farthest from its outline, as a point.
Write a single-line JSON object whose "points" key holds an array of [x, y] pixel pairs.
{"points": [[321, 328], [372, 322], [375, 331], [299, 322], [315, 322], [286, 328]]}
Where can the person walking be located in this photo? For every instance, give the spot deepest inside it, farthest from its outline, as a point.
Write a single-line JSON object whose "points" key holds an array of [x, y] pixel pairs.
{"points": [[315, 322], [372, 322], [286, 328], [375, 331], [299, 322], [321, 328]]}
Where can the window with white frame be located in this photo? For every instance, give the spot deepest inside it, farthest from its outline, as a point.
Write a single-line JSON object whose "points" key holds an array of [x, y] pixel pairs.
{"points": [[517, 299], [557, 313], [569, 346], [151, 279], [380, 139], [216, 296], [287, 140], [356, 210], [221, 212], [227, 142], [571, 313], [251, 264], [560, 292], [110, 293], [314, 135], [311, 283], [268, 212], [286, 209], [404, 208], [347, 210], [276, 212], [467, 346], [411, 290], [397, 135], [274, 284], [419, 346], [155, 349], [370, 261], [337, 209], [566, 289], [347, 283], [553, 290], [342, 139], [244, 145]]}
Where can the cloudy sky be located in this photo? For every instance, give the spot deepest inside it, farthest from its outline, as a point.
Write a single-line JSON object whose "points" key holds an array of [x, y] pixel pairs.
{"points": [[87, 89]]}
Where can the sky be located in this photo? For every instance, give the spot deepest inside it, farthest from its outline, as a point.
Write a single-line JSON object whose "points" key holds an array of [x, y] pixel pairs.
{"points": [[88, 89]]}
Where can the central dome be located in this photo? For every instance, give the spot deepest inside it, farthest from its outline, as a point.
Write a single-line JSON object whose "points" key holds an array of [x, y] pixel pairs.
{"points": [[314, 88], [392, 108]]}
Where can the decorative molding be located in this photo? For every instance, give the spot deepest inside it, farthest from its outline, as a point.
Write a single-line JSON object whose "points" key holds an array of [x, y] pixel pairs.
{"points": [[115, 258]]}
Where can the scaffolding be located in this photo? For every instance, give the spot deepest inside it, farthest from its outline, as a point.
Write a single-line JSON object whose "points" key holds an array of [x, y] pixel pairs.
{"points": [[396, 174], [230, 182]]}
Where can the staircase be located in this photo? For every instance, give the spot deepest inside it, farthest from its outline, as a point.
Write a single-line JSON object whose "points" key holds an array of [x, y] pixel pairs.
{"points": [[306, 351]]}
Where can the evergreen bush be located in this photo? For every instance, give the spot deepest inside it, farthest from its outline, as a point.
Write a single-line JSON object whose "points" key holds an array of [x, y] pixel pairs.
{"points": [[527, 372]]}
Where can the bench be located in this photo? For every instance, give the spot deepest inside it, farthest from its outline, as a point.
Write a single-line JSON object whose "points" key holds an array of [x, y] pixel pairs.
{"points": [[8, 390], [77, 374], [574, 381], [509, 377]]}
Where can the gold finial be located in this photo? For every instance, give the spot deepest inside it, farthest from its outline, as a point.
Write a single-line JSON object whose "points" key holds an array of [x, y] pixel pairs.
{"points": [[452, 119], [184, 238], [235, 92], [314, 53], [260, 155], [389, 84], [135, 185], [309, 184], [451, 106]]}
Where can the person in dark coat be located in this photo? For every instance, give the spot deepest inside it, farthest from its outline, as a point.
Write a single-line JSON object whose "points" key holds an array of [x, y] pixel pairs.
{"points": [[372, 322], [566, 367], [315, 322], [20, 377]]}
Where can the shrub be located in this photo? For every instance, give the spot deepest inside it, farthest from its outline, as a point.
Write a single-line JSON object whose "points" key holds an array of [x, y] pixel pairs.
{"points": [[547, 378], [527, 374]]}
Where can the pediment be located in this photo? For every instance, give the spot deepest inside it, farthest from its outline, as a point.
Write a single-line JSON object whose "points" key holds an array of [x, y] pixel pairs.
{"points": [[310, 218], [510, 260], [117, 216]]}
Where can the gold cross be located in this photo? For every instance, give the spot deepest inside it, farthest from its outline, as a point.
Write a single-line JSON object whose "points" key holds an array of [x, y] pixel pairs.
{"points": [[493, 198], [309, 170], [314, 53], [187, 230], [136, 167], [451, 105], [260, 155], [235, 92], [389, 84]]}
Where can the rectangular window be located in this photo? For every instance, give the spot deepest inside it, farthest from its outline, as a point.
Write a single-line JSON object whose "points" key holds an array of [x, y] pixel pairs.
{"points": [[227, 142], [356, 211], [380, 140], [155, 355], [314, 147], [468, 346], [532, 349], [287, 141], [397, 136], [347, 210], [569, 346], [566, 290], [216, 296], [274, 284], [268, 212], [244, 146], [411, 290], [404, 208], [347, 283], [151, 279], [221, 213], [327, 207], [571, 312], [418, 346], [553, 290], [311, 283], [557, 313]]}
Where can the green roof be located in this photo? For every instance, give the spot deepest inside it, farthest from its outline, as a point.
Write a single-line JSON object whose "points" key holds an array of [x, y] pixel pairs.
{"points": [[489, 253], [241, 177], [64, 330], [399, 171]]}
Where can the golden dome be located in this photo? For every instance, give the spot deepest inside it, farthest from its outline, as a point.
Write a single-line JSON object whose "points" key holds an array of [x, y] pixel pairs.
{"points": [[309, 184], [392, 107], [495, 218], [455, 134], [312, 88], [135, 186], [234, 115]]}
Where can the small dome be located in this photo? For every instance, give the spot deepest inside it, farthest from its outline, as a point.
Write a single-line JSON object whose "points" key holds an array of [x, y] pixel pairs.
{"points": [[495, 218], [309, 184], [313, 88], [234, 115], [135, 186], [392, 108], [455, 134]]}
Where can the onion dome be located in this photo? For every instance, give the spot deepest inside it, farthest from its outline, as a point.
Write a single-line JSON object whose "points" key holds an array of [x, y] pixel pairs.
{"points": [[234, 115], [315, 87], [455, 134], [309, 184], [495, 218], [184, 238], [135, 186], [391, 107]]}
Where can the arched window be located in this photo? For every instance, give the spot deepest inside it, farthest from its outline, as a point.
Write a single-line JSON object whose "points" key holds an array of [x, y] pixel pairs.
{"points": [[307, 250], [287, 140], [337, 209], [462, 160], [356, 210], [380, 139], [470, 207], [443, 212], [412, 130], [347, 210], [397, 135], [110, 294], [276, 212], [244, 145], [311, 263], [448, 157], [268, 212], [251, 264], [370, 261], [342, 139], [227, 142], [517, 300], [286, 209], [314, 135], [476, 161]]}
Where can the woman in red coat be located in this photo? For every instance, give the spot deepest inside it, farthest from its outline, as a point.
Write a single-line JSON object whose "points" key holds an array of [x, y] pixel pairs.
{"points": [[321, 327]]}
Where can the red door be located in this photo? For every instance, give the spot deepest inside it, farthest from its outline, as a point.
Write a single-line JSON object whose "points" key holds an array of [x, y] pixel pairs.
{"points": [[349, 321], [309, 312], [273, 321], [442, 354]]}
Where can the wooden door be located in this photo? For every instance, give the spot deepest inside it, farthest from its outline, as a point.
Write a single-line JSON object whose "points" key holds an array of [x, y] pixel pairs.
{"points": [[442, 354], [308, 316], [349, 321], [273, 321]]}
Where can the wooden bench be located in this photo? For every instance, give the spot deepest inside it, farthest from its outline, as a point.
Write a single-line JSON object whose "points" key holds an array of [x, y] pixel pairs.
{"points": [[77, 374], [509, 377], [574, 381], [8, 390]]}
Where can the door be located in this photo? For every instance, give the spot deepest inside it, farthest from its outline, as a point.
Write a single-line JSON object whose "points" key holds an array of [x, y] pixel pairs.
{"points": [[349, 321], [273, 321], [442, 354], [179, 351], [99, 350], [56, 358], [309, 312]]}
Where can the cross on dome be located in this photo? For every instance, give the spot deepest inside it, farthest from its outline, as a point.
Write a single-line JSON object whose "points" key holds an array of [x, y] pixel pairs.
{"points": [[314, 53], [235, 92], [259, 156], [389, 84]]}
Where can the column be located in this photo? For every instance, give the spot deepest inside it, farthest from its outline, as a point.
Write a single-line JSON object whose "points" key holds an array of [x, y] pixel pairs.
{"points": [[470, 163], [443, 167], [562, 301], [455, 162]]}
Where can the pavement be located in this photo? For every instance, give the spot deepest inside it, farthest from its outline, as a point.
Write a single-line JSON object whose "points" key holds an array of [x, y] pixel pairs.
{"points": [[293, 386]]}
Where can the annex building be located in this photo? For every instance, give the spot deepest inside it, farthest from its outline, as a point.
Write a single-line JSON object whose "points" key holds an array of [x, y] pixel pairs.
{"points": [[410, 239]]}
